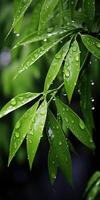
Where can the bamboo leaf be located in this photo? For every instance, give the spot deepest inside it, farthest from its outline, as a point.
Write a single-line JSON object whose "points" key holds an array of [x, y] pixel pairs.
{"points": [[35, 37], [92, 181], [52, 165], [60, 146], [89, 9], [20, 131], [17, 102], [20, 10], [35, 55], [92, 44], [75, 124], [71, 69], [46, 12], [35, 133], [55, 66]]}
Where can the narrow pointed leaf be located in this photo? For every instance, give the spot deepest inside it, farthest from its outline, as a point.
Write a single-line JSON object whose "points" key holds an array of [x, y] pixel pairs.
{"points": [[55, 66], [21, 129], [46, 11], [52, 165], [35, 133], [86, 101], [34, 37], [75, 124], [71, 69], [17, 102], [60, 146], [35, 55], [92, 181], [92, 44], [21, 8], [89, 9]]}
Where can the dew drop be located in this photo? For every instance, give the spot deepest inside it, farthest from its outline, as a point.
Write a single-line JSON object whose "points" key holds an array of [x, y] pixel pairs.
{"points": [[77, 58], [92, 83], [17, 34], [60, 143], [15, 145], [81, 124], [92, 100], [18, 125], [98, 44], [93, 108], [50, 132], [13, 102], [45, 40], [67, 73], [17, 134]]}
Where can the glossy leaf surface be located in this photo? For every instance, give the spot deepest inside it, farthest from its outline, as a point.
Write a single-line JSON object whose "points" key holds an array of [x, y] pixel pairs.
{"points": [[71, 69], [35, 55], [55, 66], [35, 133], [17, 102], [46, 12], [52, 165], [60, 146], [21, 129], [89, 9], [92, 44], [75, 124]]}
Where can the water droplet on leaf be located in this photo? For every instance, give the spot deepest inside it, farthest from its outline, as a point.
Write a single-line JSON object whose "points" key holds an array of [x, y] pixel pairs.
{"points": [[81, 124]]}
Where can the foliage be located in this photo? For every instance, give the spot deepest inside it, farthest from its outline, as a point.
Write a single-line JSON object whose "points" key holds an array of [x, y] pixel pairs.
{"points": [[70, 32]]}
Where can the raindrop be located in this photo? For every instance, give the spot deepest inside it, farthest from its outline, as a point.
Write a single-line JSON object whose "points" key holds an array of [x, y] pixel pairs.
{"points": [[63, 109], [60, 143], [45, 40], [50, 132], [64, 94], [92, 83], [93, 108], [67, 73], [13, 102], [57, 127], [81, 124], [98, 44], [15, 145], [77, 58], [18, 125], [17, 34], [72, 121], [17, 134], [92, 99]]}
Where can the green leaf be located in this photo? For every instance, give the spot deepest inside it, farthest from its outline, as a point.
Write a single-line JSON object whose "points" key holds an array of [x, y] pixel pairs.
{"points": [[35, 37], [71, 69], [17, 102], [55, 66], [86, 101], [35, 55], [92, 44], [60, 146], [92, 181], [21, 8], [46, 12], [93, 187], [21, 129], [52, 165], [75, 124], [35, 133], [89, 9]]}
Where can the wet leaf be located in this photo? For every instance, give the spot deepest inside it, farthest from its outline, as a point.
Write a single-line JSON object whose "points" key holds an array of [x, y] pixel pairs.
{"points": [[71, 69], [46, 12], [21, 8], [93, 187], [35, 133], [60, 146], [55, 66], [17, 102], [21, 129], [92, 44], [35, 55], [35, 37], [86, 101], [75, 124], [89, 9], [52, 165]]}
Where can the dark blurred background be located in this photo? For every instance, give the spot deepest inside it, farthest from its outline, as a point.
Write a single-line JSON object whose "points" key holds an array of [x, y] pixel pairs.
{"points": [[17, 181]]}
